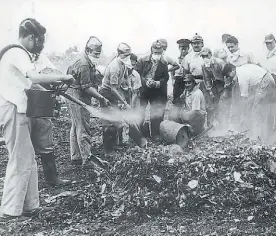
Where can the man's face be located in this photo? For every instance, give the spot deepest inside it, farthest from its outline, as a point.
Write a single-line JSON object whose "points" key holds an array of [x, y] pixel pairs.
{"points": [[189, 85], [133, 62], [95, 54], [270, 45], [35, 44], [183, 50], [232, 47], [197, 46], [232, 74]]}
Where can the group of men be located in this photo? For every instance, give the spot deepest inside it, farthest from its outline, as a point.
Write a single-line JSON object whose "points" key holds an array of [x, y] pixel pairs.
{"points": [[221, 86]]}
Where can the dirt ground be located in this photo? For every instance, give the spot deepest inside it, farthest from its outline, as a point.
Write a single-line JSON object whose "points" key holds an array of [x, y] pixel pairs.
{"points": [[73, 216]]}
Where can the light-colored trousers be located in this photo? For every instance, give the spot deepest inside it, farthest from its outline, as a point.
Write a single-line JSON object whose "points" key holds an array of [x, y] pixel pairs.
{"points": [[21, 181], [80, 132]]}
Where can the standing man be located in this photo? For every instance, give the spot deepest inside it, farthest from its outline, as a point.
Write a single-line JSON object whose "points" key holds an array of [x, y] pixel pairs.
{"points": [[114, 80], [214, 85], [257, 89], [84, 88], [154, 76], [191, 106], [270, 63], [236, 56], [192, 63], [178, 86], [17, 74], [42, 134]]}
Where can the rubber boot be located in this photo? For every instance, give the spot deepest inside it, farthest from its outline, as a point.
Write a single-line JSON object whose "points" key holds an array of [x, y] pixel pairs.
{"points": [[50, 171], [109, 139]]}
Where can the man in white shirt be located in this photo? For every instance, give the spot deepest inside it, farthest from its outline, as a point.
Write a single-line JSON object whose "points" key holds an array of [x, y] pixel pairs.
{"points": [[236, 56], [17, 74], [192, 63], [270, 63], [257, 90]]}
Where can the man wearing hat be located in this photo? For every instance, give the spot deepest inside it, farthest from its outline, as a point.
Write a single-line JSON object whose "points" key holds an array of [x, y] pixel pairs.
{"points": [[178, 86], [18, 74], [236, 56], [192, 63], [191, 107], [115, 81], [154, 77], [215, 93], [270, 63], [84, 88]]}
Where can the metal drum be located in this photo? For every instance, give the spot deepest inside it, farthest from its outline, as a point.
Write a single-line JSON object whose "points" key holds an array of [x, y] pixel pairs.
{"points": [[40, 103]]}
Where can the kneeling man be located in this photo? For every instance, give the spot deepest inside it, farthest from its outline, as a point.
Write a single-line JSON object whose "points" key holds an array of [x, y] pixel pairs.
{"points": [[190, 106]]}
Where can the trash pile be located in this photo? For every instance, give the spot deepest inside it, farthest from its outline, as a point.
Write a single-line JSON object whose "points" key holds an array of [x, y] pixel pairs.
{"points": [[217, 173]]}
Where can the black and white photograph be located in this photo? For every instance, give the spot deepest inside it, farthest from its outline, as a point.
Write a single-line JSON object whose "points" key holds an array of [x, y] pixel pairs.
{"points": [[138, 118]]}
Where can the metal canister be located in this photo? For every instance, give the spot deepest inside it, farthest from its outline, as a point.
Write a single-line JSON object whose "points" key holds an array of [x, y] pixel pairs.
{"points": [[40, 103]]}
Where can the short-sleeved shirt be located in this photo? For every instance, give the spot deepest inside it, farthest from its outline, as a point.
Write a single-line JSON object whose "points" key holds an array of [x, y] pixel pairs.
{"points": [[84, 74], [14, 66], [249, 76], [193, 63], [241, 59], [194, 100], [270, 63], [115, 74]]}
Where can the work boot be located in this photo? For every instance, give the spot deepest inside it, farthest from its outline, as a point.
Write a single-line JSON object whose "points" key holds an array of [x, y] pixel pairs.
{"points": [[50, 171]]}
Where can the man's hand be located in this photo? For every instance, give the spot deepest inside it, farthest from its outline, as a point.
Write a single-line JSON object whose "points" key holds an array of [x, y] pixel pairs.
{"points": [[68, 79], [150, 83], [157, 84]]}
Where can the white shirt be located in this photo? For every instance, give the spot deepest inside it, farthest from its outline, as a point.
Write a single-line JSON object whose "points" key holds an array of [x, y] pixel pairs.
{"points": [[270, 63], [169, 60], [193, 63], [249, 75], [135, 80], [14, 66], [239, 58]]}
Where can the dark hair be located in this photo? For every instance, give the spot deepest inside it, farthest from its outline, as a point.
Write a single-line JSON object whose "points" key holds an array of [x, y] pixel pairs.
{"points": [[232, 39], [31, 26], [225, 37], [227, 69], [133, 57]]}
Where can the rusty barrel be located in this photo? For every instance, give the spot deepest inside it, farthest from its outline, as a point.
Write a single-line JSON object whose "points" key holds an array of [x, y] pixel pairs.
{"points": [[172, 132], [40, 103]]}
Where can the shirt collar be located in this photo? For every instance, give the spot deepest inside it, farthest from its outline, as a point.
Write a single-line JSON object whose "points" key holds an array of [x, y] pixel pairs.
{"points": [[88, 60], [271, 53]]}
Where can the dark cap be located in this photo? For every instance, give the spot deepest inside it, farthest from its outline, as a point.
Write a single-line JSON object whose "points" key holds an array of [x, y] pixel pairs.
{"points": [[196, 38], [94, 44], [269, 38], [157, 45], [189, 77], [33, 27], [183, 42]]}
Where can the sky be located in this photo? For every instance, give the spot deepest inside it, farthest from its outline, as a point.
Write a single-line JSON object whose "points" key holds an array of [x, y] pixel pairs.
{"points": [[140, 22]]}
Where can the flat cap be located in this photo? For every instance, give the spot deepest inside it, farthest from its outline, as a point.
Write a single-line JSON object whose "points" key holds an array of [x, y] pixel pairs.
{"points": [[269, 38], [94, 44], [183, 42]]}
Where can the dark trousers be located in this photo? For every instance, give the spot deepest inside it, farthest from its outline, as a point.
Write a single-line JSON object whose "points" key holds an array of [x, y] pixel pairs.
{"points": [[157, 110], [113, 132]]}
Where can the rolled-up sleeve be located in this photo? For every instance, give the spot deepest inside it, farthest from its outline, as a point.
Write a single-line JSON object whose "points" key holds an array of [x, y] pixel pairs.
{"points": [[85, 81]]}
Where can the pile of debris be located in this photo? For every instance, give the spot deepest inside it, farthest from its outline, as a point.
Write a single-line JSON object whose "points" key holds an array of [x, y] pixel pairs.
{"points": [[219, 172]]}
